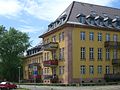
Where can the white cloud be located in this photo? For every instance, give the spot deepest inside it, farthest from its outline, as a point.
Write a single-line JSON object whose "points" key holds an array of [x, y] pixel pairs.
{"points": [[41, 9], [30, 29], [50, 10], [9, 8]]}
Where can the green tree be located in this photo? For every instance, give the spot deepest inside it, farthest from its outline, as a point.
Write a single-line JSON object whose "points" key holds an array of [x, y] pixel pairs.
{"points": [[13, 43]]}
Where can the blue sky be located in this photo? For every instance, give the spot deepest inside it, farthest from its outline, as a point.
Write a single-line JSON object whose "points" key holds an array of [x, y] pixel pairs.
{"points": [[33, 16]]}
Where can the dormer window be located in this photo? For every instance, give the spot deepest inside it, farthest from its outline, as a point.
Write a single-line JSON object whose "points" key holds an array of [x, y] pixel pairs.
{"points": [[116, 23], [58, 21], [50, 26], [93, 13], [90, 19], [108, 22], [99, 20], [63, 18], [81, 18]]}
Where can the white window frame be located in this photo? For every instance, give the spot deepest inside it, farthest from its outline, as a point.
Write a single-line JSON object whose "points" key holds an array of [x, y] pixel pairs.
{"points": [[83, 52], [91, 53], [82, 35], [91, 69]]}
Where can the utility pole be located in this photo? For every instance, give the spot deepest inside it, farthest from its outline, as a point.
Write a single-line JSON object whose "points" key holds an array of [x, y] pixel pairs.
{"points": [[19, 75]]}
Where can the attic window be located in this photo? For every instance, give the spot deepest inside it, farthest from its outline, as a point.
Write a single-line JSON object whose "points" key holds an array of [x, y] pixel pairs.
{"points": [[63, 18], [116, 16], [93, 13], [50, 26], [90, 19], [105, 15], [116, 23], [108, 22], [99, 20], [81, 18], [57, 21]]}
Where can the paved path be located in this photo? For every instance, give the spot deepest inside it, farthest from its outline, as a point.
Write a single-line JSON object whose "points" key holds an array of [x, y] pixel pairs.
{"points": [[110, 87]]}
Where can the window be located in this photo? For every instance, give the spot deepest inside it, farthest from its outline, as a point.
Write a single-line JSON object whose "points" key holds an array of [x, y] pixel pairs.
{"points": [[91, 36], [61, 70], [115, 54], [92, 22], [99, 69], [91, 69], [82, 35], [54, 55], [99, 53], [107, 54], [90, 19], [83, 69], [54, 39], [115, 37], [47, 70], [108, 22], [47, 41], [61, 53], [107, 37], [107, 69], [91, 53], [117, 23], [99, 36], [54, 71], [47, 56], [82, 52], [99, 20], [61, 36], [82, 19]]}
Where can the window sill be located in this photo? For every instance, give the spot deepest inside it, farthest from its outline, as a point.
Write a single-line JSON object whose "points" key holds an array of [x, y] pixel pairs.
{"points": [[82, 59]]}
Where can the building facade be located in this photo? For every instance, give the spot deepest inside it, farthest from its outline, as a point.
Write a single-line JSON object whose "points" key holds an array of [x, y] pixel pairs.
{"points": [[81, 45]]}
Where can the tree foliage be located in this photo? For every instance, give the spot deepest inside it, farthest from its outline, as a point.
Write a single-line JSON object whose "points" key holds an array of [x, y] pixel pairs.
{"points": [[13, 43]]}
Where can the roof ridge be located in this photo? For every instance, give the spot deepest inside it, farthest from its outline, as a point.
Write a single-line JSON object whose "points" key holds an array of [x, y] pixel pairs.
{"points": [[97, 5], [70, 11]]}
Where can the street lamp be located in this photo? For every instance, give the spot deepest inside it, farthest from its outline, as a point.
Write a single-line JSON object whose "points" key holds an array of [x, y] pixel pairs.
{"points": [[19, 76]]}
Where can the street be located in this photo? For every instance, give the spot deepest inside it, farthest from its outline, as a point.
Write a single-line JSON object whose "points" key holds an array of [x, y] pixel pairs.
{"points": [[109, 87]]}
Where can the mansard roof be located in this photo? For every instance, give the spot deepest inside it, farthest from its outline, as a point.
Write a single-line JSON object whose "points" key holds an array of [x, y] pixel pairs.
{"points": [[76, 9]]}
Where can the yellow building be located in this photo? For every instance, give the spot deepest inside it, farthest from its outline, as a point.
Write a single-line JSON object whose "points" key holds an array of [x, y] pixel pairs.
{"points": [[81, 45]]}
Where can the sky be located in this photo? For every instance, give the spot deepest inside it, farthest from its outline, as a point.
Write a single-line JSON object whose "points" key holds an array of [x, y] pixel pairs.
{"points": [[33, 16]]}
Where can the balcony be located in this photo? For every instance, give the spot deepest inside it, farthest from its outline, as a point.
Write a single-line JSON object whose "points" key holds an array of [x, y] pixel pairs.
{"points": [[32, 76], [33, 64], [50, 46], [112, 77], [116, 61], [112, 44], [50, 63], [52, 78]]}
